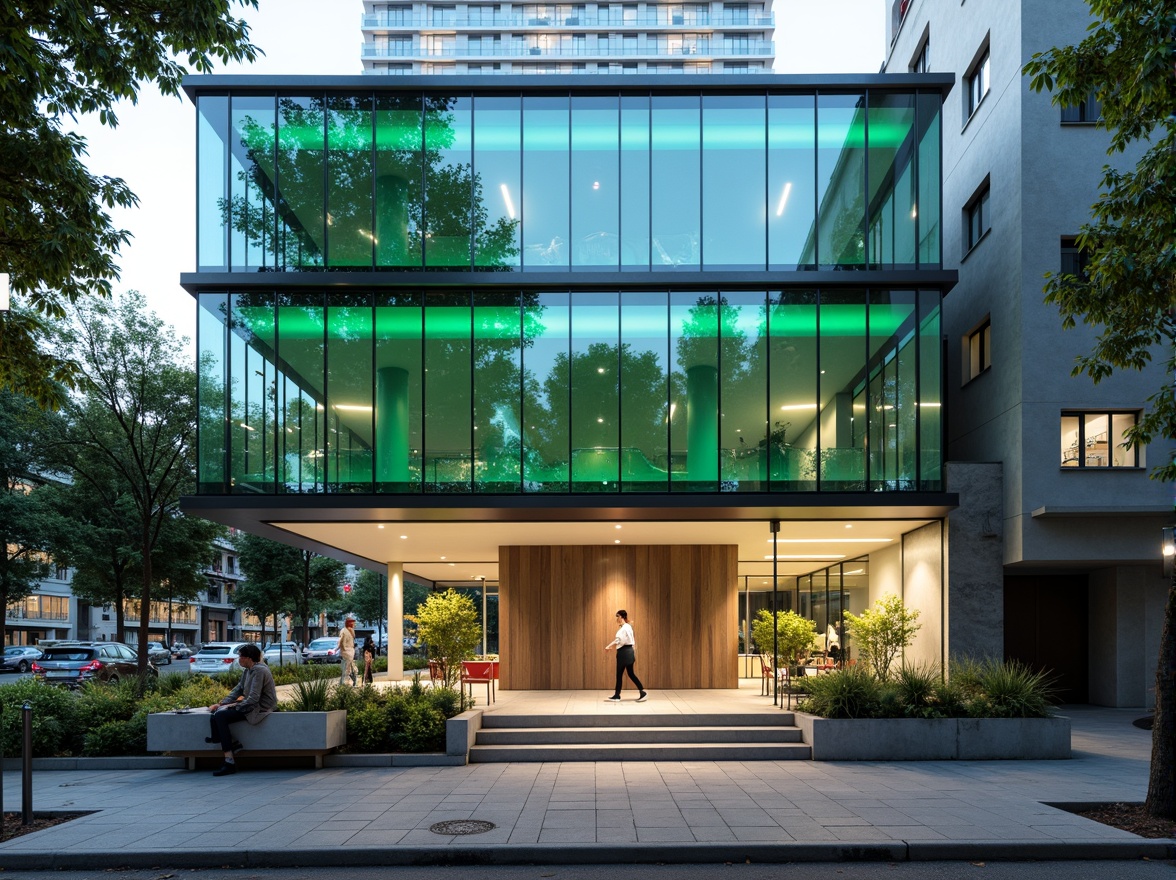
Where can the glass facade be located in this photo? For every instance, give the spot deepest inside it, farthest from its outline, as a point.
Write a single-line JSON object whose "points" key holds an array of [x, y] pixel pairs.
{"points": [[509, 384], [507, 391], [639, 180]]}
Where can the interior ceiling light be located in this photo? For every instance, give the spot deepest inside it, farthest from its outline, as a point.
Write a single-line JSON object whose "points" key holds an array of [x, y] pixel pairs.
{"points": [[831, 540], [380, 526], [404, 537], [352, 407], [809, 556], [619, 527], [798, 406], [783, 199]]}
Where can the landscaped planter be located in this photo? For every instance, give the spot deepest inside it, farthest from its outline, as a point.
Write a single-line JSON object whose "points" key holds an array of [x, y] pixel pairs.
{"points": [[935, 739], [281, 733]]}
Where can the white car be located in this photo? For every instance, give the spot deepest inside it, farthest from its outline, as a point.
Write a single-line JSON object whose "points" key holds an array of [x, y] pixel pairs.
{"points": [[282, 654], [215, 657], [323, 651]]}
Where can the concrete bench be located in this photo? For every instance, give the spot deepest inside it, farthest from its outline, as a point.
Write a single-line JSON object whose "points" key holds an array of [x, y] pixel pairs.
{"points": [[281, 734]]}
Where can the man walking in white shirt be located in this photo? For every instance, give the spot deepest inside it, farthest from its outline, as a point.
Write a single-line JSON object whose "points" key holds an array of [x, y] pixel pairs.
{"points": [[347, 652]]}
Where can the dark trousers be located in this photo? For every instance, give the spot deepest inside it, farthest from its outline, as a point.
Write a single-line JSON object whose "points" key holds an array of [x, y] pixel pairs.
{"points": [[625, 660], [220, 720]]}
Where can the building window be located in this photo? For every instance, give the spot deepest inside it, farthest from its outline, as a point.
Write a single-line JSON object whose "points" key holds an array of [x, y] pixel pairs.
{"points": [[62, 573], [1098, 440], [976, 218], [977, 81], [922, 59], [1074, 260], [978, 351], [1085, 112]]}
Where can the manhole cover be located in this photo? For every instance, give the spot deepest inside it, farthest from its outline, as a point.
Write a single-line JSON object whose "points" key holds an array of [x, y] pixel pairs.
{"points": [[462, 826]]}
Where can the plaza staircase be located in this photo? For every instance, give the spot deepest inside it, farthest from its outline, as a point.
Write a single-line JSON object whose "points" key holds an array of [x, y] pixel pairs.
{"points": [[644, 736]]}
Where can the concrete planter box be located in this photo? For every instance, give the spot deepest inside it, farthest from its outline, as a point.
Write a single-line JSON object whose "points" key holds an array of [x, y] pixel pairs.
{"points": [[935, 739], [281, 733]]}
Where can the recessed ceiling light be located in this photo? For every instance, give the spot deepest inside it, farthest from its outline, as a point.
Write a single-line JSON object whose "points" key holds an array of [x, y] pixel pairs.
{"points": [[442, 557], [380, 526], [617, 541], [849, 525], [619, 527], [809, 556], [452, 564], [403, 537], [832, 540]]}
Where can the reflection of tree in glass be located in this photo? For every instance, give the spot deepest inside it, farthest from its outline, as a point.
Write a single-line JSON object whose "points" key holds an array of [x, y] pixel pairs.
{"points": [[444, 217]]}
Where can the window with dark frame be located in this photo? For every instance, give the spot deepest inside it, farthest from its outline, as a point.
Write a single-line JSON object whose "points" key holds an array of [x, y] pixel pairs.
{"points": [[978, 351], [976, 217], [1097, 439], [1086, 112], [978, 81], [922, 62], [1074, 260]]}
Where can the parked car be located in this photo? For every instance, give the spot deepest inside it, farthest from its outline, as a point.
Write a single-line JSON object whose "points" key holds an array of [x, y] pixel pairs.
{"points": [[410, 645], [324, 650], [74, 665], [158, 654], [19, 658], [282, 654], [215, 657], [180, 651]]}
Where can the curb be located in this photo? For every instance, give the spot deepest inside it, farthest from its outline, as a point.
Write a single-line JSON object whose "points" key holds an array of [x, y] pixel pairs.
{"points": [[165, 762], [591, 854]]}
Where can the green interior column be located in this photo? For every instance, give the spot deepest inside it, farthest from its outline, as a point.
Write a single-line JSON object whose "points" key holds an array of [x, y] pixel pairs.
{"points": [[392, 425], [702, 423]]}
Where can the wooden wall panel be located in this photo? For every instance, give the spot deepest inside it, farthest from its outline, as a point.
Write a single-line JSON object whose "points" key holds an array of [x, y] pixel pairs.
{"points": [[557, 607]]}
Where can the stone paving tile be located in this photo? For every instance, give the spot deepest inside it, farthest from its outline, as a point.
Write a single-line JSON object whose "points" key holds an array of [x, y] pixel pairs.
{"points": [[859, 834], [569, 819], [910, 832], [760, 834], [377, 837], [713, 834], [702, 817], [664, 835], [524, 836], [567, 835], [754, 817], [660, 820], [614, 817]]}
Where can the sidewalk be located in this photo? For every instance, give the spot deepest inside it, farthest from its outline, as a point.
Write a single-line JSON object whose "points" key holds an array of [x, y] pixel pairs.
{"points": [[599, 813]]}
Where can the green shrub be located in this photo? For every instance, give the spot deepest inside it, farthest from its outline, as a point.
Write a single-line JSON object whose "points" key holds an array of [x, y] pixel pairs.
{"points": [[415, 662], [1013, 690], [367, 728], [229, 679], [423, 729], [98, 703], [55, 719], [310, 695], [304, 672], [445, 700], [916, 690], [113, 738], [844, 693], [170, 682]]}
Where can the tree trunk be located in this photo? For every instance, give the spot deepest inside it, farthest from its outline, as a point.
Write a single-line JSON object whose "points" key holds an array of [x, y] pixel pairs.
{"points": [[120, 618], [1161, 783], [145, 601]]}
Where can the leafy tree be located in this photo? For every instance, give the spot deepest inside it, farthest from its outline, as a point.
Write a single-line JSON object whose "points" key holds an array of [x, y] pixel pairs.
{"points": [[28, 525], [881, 632], [448, 623], [1128, 289], [57, 239], [130, 436], [299, 581], [369, 598], [794, 634]]}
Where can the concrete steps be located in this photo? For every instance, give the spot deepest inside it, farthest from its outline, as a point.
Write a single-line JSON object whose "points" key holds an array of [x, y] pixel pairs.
{"points": [[638, 737]]}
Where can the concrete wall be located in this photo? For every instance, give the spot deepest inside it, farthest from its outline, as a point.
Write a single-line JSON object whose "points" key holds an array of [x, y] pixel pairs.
{"points": [[1126, 617], [974, 565]]}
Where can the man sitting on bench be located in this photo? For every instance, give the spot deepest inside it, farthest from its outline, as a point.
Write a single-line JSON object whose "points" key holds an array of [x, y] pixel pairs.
{"points": [[251, 700]]}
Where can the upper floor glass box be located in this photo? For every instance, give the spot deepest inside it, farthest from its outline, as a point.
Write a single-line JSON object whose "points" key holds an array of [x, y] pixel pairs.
{"points": [[618, 177]]}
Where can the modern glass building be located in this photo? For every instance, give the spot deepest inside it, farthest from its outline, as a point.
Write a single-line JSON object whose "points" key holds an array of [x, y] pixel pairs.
{"points": [[552, 303]]}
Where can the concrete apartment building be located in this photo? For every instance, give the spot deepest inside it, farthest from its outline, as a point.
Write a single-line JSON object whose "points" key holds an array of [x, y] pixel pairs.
{"points": [[547, 38], [1081, 588]]}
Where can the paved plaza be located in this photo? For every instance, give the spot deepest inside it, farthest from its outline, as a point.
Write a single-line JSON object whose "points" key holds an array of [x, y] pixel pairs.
{"points": [[600, 812]]}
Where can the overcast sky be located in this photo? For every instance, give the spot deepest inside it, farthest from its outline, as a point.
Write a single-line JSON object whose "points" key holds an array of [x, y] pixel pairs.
{"points": [[153, 149]]}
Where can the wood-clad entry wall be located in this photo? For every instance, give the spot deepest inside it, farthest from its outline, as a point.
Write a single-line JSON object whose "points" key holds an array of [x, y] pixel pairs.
{"points": [[556, 610]]}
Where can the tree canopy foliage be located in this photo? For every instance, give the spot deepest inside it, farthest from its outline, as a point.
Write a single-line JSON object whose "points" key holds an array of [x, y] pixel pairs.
{"points": [[284, 578], [62, 58], [1128, 289], [130, 436]]}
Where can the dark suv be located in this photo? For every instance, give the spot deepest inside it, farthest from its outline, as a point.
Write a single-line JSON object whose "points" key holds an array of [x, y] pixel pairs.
{"points": [[74, 665]]}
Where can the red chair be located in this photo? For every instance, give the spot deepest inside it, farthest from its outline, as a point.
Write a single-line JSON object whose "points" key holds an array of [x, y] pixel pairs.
{"points": [[479, 672]]}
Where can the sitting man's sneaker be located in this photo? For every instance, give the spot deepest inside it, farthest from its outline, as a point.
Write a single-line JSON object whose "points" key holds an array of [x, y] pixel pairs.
{"points": [[226, 769], [644, 696], [615, 699]]}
